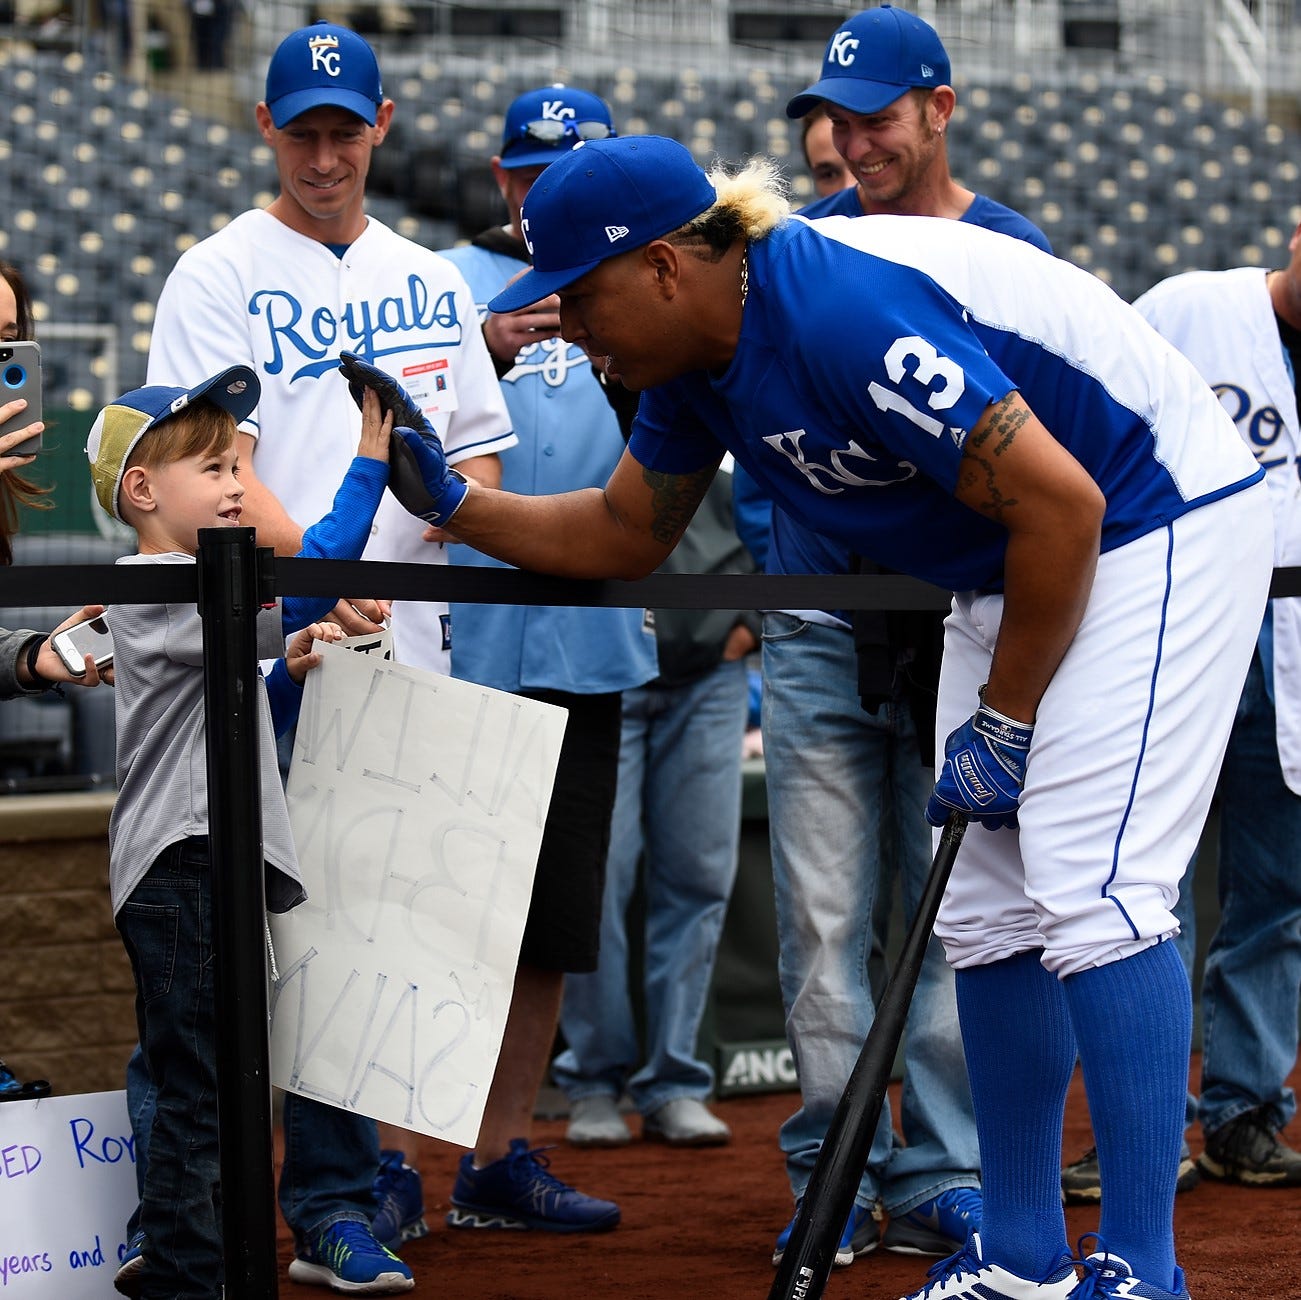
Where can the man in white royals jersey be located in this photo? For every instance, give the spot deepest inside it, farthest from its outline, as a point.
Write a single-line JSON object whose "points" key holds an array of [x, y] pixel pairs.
{"points": [[1242, 329], [285, 290], [973, 412]]}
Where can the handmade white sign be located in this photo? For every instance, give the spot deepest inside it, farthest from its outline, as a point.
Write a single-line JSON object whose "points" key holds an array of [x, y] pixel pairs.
{"points": [[67, 1184], [417, 803]]}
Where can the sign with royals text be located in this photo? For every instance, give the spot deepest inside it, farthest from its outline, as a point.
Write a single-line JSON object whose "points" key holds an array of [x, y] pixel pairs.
{"points": [[67, 1185], [417, 803]]}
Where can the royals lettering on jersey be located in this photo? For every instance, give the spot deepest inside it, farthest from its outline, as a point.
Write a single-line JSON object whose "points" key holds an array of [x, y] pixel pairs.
{"points": [[870, 348], [1263, 426], [309, 345]]}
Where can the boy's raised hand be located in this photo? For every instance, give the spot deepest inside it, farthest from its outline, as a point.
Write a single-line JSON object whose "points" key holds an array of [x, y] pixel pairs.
{"points": [[419, 475], [300, 658], [376, 427], [395, 399]]}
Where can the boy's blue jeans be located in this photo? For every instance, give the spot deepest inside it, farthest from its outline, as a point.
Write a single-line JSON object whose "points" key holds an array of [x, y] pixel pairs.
{"points": [[166, 926], [331, 1155]]}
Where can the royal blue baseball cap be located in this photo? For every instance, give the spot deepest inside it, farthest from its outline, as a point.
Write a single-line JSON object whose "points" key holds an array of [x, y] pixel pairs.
{"points": [[598, 201], [121, 424], [873, 59], [543, 124], [323, 64]]}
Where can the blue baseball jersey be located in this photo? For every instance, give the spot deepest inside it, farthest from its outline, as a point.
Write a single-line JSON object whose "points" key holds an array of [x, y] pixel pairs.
{"points": [[870, 348], [792, 547]]}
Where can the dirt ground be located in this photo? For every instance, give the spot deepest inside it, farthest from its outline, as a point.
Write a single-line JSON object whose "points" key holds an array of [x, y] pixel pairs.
{"points": [[702, 1223]]}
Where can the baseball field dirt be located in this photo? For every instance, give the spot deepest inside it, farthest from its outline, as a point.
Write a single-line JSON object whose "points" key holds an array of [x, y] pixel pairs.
{"points": [[701, 1224]]}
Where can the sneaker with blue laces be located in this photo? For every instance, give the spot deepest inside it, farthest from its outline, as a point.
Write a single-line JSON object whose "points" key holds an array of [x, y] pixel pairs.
{"points": [[127, 1278], [966, 1276], [401, 1201], [862, 1233], [519, 1191], [1108, 1277], [939, 1226], [347, 1258]]}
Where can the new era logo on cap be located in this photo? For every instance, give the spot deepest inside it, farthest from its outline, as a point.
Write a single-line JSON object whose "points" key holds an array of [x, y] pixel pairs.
{"points": [[613, 233]]}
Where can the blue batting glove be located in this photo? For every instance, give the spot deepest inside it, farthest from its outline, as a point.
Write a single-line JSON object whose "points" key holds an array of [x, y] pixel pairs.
{"points": [[983, 772], [420, 477], [392, 396]]}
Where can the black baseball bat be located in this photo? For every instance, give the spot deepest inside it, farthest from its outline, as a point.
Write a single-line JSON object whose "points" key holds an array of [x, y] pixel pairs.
{"points": [[806, 1264]]}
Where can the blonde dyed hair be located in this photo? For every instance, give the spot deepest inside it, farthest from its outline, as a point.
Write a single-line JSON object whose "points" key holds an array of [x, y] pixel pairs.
{"points": [[751, 203]]}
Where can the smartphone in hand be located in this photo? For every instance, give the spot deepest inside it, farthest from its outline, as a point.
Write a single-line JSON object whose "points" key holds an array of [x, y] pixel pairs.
{"points": [[74, 643], [20, 376]]}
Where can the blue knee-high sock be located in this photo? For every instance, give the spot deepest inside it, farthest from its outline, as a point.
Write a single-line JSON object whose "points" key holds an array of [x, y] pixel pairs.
{"points": [[1016, 1032], [1134, 1022]]}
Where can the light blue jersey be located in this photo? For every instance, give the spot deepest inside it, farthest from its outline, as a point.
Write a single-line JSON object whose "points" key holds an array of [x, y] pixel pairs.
{"points": [[568, 438], [871, 347]]}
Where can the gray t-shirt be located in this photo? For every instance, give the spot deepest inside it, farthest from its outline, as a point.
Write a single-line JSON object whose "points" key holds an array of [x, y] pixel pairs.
{"points": [[162, 766]]}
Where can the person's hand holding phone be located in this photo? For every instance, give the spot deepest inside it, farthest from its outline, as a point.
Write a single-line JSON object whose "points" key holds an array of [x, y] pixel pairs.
{"points": [[9, 458], [20, 402], [95, 660]]}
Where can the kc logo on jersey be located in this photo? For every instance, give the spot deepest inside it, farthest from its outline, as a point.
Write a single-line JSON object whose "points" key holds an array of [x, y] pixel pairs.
{"points": [[833, 479], [842, 49], [325, 54]]}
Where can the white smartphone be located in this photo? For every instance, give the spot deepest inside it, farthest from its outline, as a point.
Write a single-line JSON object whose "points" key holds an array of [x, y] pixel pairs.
{"points": [[74, 643], [20, 376]]}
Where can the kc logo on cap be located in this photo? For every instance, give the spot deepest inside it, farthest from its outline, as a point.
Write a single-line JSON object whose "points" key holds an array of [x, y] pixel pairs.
{"points": [[325, 54]]}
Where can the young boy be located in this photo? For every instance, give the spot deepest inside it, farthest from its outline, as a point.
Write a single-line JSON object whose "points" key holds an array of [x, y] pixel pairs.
{"points": [[164, 461]]}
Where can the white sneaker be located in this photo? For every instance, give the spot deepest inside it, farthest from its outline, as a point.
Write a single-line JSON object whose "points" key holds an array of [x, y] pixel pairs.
{"points": [[685, 1122], [965, 1276], [595, 1122]]}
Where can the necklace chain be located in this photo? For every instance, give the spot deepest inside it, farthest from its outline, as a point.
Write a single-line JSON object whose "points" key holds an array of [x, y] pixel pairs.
{"points": [[745, 275]]}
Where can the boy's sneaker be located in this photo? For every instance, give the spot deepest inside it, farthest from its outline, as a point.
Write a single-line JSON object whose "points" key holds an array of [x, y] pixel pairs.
{"points": [[401, 1202], [1107, 1276], [965, 1276], [1248, 1150], [130, 1266], [13, 1088], [862, 1233], [1082, 1183], [518, 1191], [347, 1258], [936, 1227]]}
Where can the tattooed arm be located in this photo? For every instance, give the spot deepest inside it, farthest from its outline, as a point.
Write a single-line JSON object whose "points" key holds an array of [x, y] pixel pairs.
{"points": [[623, 530], [1014, 472]]}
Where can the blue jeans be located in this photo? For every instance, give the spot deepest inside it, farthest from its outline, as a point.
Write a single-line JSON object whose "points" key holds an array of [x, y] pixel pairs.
{"points": [[166, 927], [844, 787], [1252, 975], [679, 798]]}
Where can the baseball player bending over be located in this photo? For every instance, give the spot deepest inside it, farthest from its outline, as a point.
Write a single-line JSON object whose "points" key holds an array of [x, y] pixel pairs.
{"points": [[967, 409]]}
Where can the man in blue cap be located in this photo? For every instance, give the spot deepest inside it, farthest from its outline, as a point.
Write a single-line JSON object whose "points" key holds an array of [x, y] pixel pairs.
{"points": [[994, 421], [284, 289]]}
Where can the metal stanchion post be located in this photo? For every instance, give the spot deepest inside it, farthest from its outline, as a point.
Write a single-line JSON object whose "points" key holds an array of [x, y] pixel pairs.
{"points": [[228, 603]]}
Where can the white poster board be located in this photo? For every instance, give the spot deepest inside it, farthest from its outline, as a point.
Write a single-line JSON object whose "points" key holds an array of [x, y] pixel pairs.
{"points": [[417, 803], [67, 1185]]}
